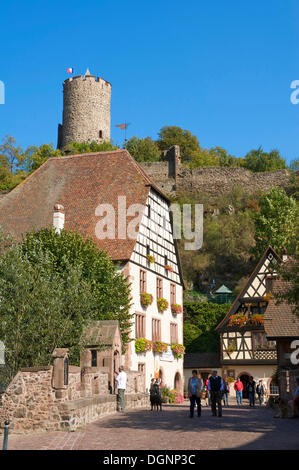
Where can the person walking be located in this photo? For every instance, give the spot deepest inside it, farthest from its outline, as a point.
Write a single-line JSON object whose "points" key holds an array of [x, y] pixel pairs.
{"points": [[238, 386], [215, 387], [121, 383], [225, 392], [208, 398], [260, 390], [251, 390], [194, 393]]}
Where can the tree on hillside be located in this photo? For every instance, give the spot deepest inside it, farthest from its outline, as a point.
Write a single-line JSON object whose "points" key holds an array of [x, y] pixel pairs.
{"points": [[51, 287], [173, 135], [200, 321], [143, 150], [277, 222], [74, 148], [13, 154], [258, 160]]}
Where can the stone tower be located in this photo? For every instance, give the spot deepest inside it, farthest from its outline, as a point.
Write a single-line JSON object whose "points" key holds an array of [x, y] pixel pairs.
{"points": [[86, 110]]}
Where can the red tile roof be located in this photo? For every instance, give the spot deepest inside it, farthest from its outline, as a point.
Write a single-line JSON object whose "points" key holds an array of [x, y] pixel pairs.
{"points": [[80, 183], [280, 321]]}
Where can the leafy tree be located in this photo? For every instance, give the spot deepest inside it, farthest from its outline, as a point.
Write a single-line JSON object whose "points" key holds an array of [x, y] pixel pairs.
{"points": [[51, 287], [294, 165], [258, 160], [200, 321], [36, 156], [87, 147], [14, 155], [143, 150], [289, 272], [173, 135], [277, 222]]}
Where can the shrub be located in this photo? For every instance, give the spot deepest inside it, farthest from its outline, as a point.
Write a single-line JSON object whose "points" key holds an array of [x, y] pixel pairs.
{"points": [[237, 320]]}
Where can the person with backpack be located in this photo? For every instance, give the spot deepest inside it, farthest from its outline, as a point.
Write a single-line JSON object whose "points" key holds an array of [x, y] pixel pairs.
{"points": [[194, 393], [225, 392], [215, 387], [260, 390]]}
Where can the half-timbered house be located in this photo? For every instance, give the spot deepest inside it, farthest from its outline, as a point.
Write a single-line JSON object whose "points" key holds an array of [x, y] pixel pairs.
{"points": [[81, 184], [245, 349]]}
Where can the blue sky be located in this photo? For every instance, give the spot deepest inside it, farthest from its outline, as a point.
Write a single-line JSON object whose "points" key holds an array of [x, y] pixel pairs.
{"points": [[220, 69]]}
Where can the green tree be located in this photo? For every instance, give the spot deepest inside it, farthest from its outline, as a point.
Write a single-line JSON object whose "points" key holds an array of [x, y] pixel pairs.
{"points": [[173, 135], [13, 154], [143, 150], [294, 165], [36, 156], [277, 222], [51, 287], [74, 148], [258, 160], [200, 321]]}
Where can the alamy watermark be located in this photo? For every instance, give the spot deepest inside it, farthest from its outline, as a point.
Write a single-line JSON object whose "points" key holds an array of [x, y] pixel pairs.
{"points": [[2, 92], [294, 356], [295, 94], [114, 224]]}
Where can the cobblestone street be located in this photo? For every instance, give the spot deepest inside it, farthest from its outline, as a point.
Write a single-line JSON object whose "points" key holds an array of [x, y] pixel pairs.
{"points": [[172, 429]]}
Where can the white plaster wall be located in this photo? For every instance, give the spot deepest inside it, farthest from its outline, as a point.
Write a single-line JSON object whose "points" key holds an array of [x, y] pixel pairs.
{"points": [[149, 358]]}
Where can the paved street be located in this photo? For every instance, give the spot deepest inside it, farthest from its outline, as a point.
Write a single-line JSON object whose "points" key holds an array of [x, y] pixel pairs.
{"points": [[172, 429]]}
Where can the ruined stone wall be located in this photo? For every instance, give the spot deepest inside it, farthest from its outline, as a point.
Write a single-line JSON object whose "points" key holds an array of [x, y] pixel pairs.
{"points": [[214, 180]]}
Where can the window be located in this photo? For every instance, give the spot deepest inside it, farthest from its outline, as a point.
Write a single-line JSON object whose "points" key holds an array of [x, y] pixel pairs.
{"points": [[173, 333], [94, 361], [139, 325], [259, 341], [159, 288], [141, 367], [274, 389], [156, 330], [100, 134], [231, 373], [149, 211], [172, 294], [142, 281], [165, 260], [148, 250]]}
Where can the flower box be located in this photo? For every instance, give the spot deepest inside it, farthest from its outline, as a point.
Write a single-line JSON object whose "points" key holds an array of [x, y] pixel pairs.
{"points": [[237, 320], [142, 345], [178, 350], [168, 268], [162, 304], [267, 297], [176, 308], [256, 319], [159, 347], [150, 259], [146, 299]]}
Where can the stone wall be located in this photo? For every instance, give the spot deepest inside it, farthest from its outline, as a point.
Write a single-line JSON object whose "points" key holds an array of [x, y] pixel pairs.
{"points": [[31, 403], [213, 181]]}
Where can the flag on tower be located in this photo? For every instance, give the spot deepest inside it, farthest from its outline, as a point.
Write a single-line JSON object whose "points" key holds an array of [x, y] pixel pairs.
{"points": [[70, 70], [122, 126]]}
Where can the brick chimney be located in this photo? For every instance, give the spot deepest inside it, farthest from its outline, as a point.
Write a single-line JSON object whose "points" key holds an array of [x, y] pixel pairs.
{"points": [[58, 217]]}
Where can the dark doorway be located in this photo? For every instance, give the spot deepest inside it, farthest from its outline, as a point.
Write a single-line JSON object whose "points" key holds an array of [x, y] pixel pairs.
{"points": [[245, 379]]}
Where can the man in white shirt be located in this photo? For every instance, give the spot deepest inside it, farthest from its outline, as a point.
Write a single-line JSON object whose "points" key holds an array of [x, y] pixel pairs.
{"points": [[121, 382]]}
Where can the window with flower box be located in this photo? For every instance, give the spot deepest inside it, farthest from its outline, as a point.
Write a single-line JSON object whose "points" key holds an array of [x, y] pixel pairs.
{"points": [[173, 333], [156, 329], [142, 281], [172, 294], [139, 325]]}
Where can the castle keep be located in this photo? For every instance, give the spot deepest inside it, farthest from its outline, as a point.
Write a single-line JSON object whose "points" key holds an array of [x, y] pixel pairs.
{"points": [[86, 110]]}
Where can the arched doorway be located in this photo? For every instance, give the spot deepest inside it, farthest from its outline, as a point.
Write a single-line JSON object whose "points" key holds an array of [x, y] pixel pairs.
{"points": [[178, 382], [244, 377]]}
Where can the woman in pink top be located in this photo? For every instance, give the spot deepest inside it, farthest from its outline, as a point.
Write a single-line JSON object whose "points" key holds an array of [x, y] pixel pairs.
{"points": [[238, 386]]}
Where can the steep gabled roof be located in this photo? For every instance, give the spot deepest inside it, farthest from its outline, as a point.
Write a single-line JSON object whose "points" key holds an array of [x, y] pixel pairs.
{"points": [[280, 321], [255, 286], [80, 183]]}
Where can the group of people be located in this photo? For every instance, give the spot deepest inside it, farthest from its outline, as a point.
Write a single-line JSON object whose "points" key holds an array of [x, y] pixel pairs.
{"points": [[216, 390]]}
